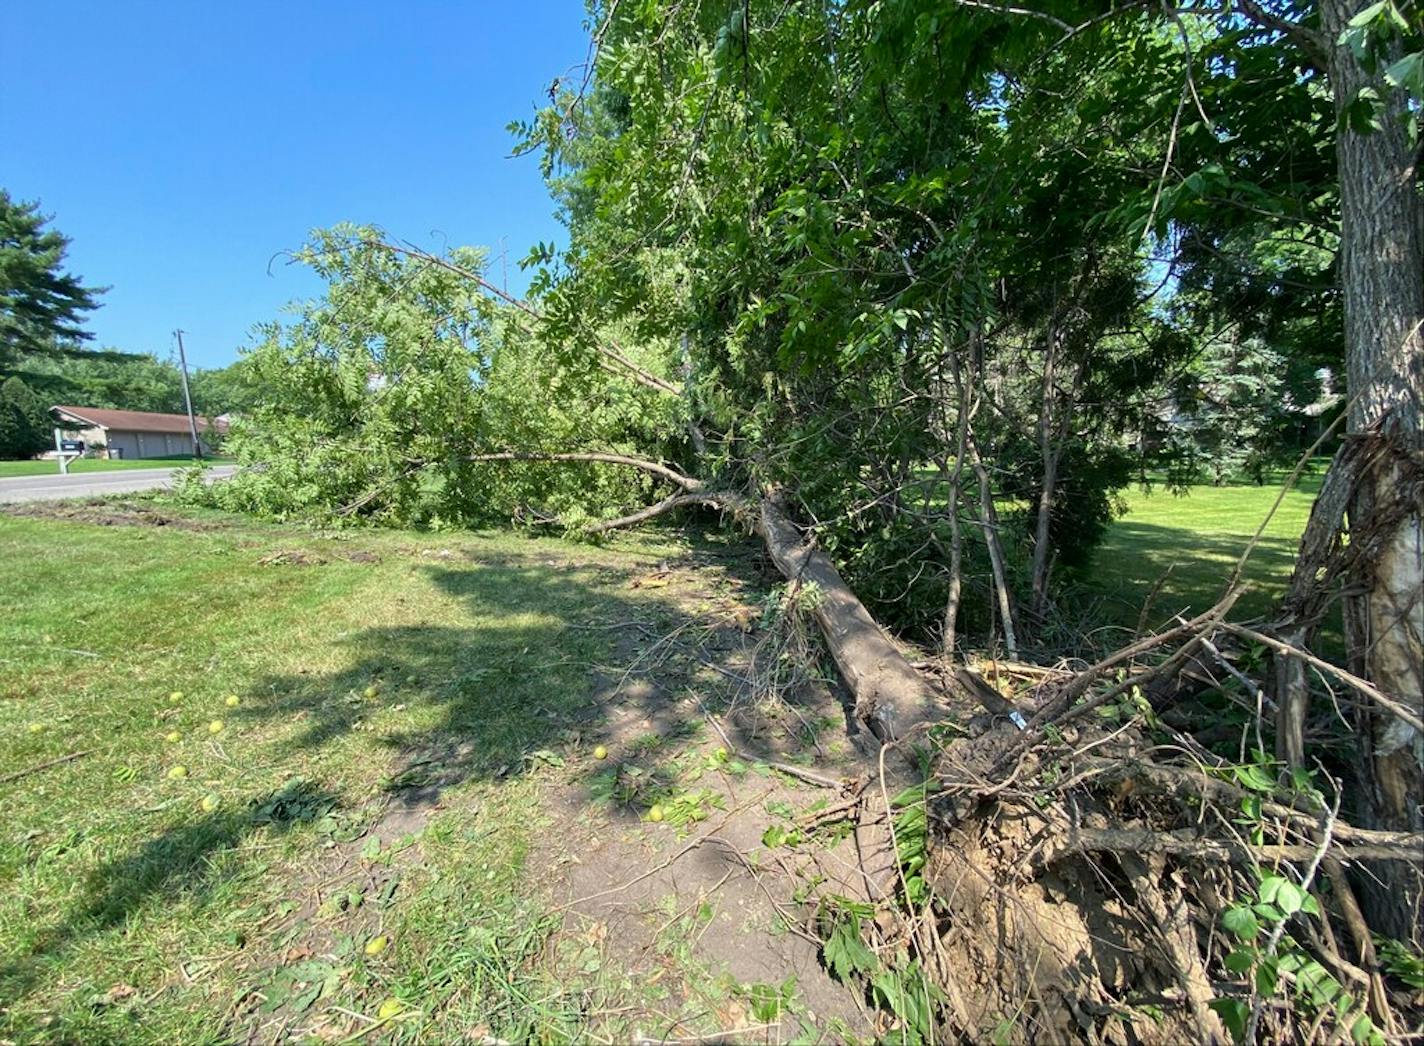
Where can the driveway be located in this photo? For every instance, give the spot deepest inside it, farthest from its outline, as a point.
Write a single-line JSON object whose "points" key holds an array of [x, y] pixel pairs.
{"points": [[90, 484]]}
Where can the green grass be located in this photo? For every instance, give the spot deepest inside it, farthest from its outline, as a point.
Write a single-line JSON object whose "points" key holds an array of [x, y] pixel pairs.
{"points": [[131, 912], [1195, 540], [10, 469]]}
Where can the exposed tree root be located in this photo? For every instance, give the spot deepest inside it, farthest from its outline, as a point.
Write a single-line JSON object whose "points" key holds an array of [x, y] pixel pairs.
{"points": [[1131, 877]]}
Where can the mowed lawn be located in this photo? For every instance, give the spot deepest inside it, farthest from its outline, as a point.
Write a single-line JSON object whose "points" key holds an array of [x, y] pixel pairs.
{"points": [[10, 469], [264, 782], [1194, 541]]}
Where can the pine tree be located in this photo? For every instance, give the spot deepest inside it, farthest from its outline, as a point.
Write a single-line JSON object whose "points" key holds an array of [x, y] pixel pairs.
{"points": [[40, 303]]}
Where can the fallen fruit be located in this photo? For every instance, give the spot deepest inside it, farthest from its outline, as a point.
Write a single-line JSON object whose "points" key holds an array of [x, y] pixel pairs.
{"points": [[210, 803], [372, 692], [176, 696], [36, 727], [389, 1009], [215, 727], [600, 752], [232, 701], [177, 772], [376, 945], [655, 814], [174, 737]]}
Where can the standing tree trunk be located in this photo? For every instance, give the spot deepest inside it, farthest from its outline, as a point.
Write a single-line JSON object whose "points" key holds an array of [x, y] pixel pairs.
{"points": [[966, 406], [1048, 451], [1382, 279], [989, 522]]}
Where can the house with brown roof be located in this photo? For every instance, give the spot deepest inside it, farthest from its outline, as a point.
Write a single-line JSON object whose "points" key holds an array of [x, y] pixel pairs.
{"points": [[136, 433]]}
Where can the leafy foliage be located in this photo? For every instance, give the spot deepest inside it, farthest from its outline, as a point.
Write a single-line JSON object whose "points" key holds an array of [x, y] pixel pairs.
{"points": [[376, 401], [901, 988], [364, 388]]}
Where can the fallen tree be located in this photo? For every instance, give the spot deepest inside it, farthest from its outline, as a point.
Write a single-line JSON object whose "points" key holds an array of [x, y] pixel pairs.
{"points": [[890, 699], [1066, 780]]}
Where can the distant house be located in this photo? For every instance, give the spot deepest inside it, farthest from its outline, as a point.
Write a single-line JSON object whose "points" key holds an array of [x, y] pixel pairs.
{"points": [[136, 433]]}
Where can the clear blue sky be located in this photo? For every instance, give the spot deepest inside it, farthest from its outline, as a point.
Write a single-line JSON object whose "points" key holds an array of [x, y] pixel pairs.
{"points": [[182, 145]]}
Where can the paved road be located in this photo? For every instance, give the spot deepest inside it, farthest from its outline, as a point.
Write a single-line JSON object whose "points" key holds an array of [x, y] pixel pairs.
{"points": [[90, 484]]}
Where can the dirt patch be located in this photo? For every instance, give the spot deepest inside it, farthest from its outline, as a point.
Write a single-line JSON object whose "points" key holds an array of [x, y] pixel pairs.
{"points": [[701, 912], [109, 513], [291, 558], [676, 857]]}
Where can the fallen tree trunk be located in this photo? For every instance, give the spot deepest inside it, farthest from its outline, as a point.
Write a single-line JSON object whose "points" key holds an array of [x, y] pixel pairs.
{"points": [[891, 698]]}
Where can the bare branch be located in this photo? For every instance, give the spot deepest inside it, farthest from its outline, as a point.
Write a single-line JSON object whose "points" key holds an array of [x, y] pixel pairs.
{"points": [[1009, 9], [1363, 686], [656, 468], [1311, 44], [652, 511]]}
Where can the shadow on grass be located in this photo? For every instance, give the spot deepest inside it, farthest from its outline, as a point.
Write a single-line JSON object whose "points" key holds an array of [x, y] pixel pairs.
{"points": [[548, 653], [544, 651], [179, 865], [1136, 555]]}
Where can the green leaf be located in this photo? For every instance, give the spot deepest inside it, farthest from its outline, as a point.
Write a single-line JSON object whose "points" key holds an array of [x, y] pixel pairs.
{"points": [[1255, 778], [1408, 74], [1241, 921], [1234, 1014], [1369, 14], [846, 954], [1290, 898], [1267, 977], [1269, 912], [1240, 960], [780, 835], [1363, 1030]]}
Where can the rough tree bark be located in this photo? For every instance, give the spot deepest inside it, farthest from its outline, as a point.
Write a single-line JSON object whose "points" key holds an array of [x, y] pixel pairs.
{"points": [[1048, 447], [1382, 278], [891, 698]]}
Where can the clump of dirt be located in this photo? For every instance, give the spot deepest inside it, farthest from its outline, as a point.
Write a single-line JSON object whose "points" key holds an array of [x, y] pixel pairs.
{"points": [[104, 512], [1043, 952]]}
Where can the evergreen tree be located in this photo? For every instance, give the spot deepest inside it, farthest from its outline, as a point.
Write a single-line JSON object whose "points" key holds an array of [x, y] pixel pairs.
{"points": [[24, 426], [40, 303]]}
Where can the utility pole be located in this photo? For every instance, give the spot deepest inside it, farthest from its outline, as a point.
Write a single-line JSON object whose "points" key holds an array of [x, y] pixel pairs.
{"points": [[187, 398]]}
